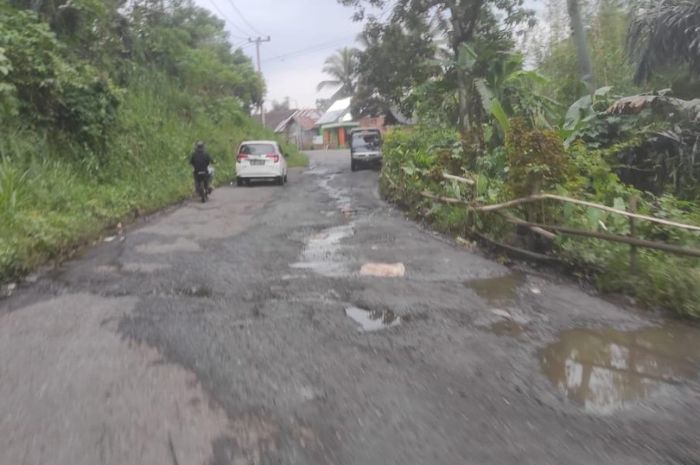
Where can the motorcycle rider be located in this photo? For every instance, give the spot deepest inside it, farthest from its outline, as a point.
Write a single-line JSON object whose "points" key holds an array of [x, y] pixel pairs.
{"points": [[200, 161]]}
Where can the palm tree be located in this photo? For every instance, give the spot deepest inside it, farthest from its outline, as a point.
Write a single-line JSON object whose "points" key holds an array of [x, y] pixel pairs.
{"points": [[666, 33], [342, 68]]}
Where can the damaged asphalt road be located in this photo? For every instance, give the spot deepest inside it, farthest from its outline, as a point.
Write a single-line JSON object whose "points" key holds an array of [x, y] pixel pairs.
{"points": [[313, 324]]}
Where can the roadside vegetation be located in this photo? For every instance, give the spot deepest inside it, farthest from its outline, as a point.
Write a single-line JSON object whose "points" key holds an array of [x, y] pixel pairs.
{"points": [[100, 104], [609, 114]]}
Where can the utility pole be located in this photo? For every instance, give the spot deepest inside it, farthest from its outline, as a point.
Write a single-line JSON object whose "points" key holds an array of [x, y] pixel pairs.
{"points": [[257, 41]]}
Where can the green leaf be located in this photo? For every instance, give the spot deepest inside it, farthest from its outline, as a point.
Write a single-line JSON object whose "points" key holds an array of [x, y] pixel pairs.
{"points": [[594, 217], [582, 108], [619, 203], [499, 113]]}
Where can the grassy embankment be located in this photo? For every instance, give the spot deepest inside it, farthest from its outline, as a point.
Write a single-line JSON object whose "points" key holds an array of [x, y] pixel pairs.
{"points": [[56, 197]]}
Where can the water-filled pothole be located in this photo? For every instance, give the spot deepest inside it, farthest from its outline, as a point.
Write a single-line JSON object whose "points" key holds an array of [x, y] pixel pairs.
{"points": [[373, 320], [322, 252], [502, 289], [607, 370]]}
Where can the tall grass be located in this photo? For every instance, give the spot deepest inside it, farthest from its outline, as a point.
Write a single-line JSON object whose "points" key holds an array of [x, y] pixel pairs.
{"points": [[55, 196]]}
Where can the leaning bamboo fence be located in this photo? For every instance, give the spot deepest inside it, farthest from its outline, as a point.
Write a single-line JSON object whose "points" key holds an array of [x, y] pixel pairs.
{"points": [[551, 231]]}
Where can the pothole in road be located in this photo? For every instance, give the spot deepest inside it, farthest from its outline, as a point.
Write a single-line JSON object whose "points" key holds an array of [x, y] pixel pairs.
{"points": [[340, 196], [607, 370], [322, 252], [372, 320], [503, 289]]}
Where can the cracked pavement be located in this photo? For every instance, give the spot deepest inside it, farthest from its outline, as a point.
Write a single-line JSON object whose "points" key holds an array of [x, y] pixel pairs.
{"points": [[233, 332]]}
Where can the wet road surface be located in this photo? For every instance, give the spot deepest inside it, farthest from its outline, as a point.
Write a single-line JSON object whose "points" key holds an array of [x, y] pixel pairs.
{"points": [[314, 324]]}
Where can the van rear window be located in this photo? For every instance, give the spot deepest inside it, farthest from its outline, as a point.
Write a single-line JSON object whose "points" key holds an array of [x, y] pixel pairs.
{"points": [[366, 141], [257, 149]]}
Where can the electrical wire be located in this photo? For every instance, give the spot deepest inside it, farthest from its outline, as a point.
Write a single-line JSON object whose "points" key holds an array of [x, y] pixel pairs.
{"points": [[243, 18], [227, 19], [310, 49]]}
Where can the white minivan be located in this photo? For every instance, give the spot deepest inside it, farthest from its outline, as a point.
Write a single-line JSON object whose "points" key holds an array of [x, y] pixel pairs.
{"points": [[260, 160]]}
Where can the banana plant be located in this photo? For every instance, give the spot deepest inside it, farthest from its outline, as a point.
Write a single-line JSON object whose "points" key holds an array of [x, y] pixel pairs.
{"points": [[507, 90]]}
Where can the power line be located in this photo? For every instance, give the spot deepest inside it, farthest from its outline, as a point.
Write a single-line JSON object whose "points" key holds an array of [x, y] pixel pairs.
{"points": [[242, 45], [228, 20], [310, 49], [243, 18]]}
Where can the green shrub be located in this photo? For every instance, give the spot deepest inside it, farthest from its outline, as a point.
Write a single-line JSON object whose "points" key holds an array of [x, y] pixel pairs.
{"points": [[55, 198], [536, 159], [412, 165], [48, 91]]}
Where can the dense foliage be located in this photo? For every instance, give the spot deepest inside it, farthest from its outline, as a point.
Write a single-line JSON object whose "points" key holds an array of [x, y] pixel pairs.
{"points": [[604, 114], [100, 104]]}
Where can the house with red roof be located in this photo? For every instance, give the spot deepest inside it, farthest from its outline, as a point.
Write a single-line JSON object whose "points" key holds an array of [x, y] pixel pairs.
{"points": [[299, 128]]}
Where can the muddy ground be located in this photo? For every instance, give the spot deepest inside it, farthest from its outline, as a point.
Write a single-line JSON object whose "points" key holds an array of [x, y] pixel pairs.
{"points": [[254, 330]]}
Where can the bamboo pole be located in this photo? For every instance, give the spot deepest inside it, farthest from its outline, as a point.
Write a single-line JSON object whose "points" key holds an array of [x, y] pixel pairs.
{"points": [[615, 238], [633, 234], [449, 200], [452, 177], [516, 250], [535, 198], [537, 230]]}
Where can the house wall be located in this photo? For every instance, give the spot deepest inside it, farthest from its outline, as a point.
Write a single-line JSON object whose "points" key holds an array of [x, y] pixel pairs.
{"points": [[335, 138], [297, 135], [377, 122]]}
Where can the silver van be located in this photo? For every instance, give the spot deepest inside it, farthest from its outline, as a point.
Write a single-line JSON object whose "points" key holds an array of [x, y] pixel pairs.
{"points": [[365, 148]]}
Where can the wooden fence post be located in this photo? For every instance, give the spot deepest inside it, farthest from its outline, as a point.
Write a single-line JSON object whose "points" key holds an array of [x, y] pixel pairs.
{"points": [[633, 233]]}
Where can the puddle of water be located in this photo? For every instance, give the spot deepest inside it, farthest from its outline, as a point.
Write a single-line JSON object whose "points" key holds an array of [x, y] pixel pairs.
{"points": [[498, 290], [373, 320], [607, 370], [341, 196], [508, 328], [321, 254]]}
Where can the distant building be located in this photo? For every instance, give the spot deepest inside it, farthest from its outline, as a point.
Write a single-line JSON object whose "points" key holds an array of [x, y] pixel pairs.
{"points": [[336, 123], [275, 117], [300, 128], [391, 117]]}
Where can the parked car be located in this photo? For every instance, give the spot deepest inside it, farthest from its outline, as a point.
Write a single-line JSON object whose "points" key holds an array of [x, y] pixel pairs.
{"points": [[365, 148], [260, 160]]}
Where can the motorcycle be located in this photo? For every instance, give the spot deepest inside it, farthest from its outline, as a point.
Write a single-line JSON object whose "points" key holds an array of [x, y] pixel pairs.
{"points": [[201, 185]]}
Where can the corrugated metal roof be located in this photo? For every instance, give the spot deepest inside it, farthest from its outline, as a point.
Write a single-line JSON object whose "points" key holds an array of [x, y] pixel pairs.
{"points": [[275, 117], [336, 112], [305, 118]]}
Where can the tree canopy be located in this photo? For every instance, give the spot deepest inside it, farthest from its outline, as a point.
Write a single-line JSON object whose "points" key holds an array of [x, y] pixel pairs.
{"points": [[341, 67], [665, 33]]}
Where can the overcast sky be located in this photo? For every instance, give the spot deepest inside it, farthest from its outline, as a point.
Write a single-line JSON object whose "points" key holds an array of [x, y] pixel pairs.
{"points": [[303, 33]]}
